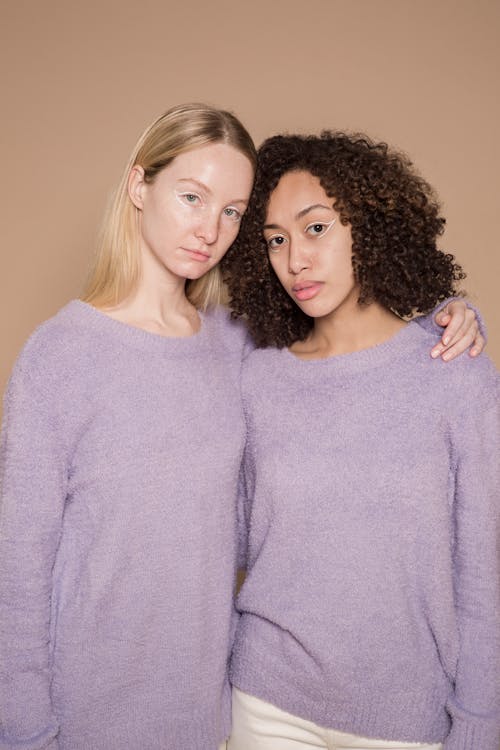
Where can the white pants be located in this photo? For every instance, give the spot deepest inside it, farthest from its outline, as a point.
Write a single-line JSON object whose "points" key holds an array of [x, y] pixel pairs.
{"points": [[258, 725]]}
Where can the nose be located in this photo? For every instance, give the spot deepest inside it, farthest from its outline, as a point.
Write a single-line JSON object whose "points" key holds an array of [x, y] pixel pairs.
{"points": [[208, 228], [298, 259]]}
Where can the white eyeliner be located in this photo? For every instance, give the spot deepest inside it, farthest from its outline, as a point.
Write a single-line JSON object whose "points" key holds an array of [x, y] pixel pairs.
{"points": [[187, 204], [327, 224]]}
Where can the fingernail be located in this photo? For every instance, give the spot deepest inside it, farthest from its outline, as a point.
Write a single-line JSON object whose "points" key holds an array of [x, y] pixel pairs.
{"points": [[446, 356], [435, 353], [446, 340]]}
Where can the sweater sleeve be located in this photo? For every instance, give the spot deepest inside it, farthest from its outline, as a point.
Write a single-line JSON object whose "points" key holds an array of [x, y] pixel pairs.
{"points": [[242, 528], [245, 497], [428, 323], [244, 488], [33, 489], [475, 704]]}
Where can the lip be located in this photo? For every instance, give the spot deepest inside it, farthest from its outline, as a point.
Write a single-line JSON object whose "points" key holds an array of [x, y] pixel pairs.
{"points": [[197, 255], [305, 290]]}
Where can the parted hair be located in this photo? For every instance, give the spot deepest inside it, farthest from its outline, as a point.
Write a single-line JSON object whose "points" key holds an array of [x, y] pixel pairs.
{"points": [[395, 222], [116, 270]]}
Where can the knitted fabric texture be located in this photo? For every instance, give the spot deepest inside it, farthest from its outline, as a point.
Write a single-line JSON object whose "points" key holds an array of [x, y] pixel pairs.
{"points": [[371, 603], [120, 460]]}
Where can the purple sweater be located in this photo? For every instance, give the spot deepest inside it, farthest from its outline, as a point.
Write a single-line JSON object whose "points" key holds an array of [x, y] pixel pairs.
{"points": [[372, 600], [120, 457]]}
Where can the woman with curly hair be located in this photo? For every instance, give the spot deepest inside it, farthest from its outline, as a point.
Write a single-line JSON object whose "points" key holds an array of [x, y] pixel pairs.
{"points": [[370, 614]]}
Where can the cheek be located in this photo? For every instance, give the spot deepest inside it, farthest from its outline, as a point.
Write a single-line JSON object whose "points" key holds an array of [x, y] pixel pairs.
{"points": [[339, 261], [156, 220], [179, 220], [278, 264], [230, 230], [227, 235], [176, 217], [273, 262]]}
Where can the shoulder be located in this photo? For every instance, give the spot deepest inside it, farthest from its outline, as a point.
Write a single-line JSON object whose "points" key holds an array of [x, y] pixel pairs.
{"points": [[463, 368], [57, 330], [231, 333], [475, 380], [54, 348], [459, 382], [262, 357], [262, 368]]}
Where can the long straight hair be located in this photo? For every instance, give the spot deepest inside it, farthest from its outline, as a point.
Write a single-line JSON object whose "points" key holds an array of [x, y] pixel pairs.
{"points": [[116, 270]]}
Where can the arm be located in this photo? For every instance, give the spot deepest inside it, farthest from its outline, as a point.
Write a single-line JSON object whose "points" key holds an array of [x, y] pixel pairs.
{"points": [[244, 491], [242, 524], [33, 488], [463, 325], [474, 705]]}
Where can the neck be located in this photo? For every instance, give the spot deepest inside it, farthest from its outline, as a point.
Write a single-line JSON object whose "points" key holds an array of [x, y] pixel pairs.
{"points": [[349, 330], [158, 304]]}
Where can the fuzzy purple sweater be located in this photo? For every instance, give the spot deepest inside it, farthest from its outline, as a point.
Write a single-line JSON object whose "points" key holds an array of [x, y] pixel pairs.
{"points": [[118, 539], [372, 599]]}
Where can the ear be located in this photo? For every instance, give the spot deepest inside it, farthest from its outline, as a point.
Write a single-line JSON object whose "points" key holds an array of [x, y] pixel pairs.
{"points": [[136, 186]]}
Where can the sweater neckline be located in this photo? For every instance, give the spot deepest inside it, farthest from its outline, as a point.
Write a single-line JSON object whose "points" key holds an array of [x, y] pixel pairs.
{"points": [[137, 337], [399, 345]]}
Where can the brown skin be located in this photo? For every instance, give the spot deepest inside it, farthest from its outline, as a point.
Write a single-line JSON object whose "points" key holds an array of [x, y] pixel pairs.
{"points": [[310, 251], [394, 220]]}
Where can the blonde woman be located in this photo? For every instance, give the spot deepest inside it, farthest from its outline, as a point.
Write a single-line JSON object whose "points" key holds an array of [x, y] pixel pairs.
{"points": [[122, 442]]}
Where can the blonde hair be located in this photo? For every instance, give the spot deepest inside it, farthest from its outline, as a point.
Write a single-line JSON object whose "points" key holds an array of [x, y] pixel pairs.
{"points": [[116, 270]]}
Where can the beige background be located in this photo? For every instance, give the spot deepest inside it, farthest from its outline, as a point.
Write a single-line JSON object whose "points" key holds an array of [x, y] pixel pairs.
{"points": [[83, 79]]}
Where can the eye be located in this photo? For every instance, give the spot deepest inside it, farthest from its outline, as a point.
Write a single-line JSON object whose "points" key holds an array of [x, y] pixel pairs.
{"points": [[319, 228], [275, 242], [232, 213], [191, 199]]}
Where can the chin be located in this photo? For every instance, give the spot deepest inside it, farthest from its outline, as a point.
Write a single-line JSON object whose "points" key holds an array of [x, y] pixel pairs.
{"points": [[193, 276], [317, 311]]}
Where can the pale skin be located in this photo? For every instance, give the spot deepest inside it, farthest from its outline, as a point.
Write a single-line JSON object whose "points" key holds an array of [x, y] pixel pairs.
{"points": [[188, 217], [310, 251]]}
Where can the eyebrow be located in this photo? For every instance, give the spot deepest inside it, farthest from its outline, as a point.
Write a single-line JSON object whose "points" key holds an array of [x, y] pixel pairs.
{"points": [[303, 212], [204, 187]]}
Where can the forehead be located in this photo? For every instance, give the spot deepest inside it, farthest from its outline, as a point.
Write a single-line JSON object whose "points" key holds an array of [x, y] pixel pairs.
{"points": [[212, 164], [295, 191]]}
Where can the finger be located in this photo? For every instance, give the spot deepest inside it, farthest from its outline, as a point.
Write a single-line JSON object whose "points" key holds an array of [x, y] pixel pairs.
{"points": [[442, 318], [459, 347], [467, 334], [478, 346], [458, 317], [470, 327]]}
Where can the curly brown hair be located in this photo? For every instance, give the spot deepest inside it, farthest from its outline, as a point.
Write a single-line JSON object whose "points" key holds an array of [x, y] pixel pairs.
{"points": [[395, 223]]}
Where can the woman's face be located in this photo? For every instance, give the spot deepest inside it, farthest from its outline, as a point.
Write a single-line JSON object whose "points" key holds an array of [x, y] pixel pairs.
{"points": [[190, 214], [309, 248]]}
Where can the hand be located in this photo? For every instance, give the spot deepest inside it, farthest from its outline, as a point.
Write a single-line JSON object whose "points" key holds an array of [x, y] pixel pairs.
{"points": [[461, 331]]}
